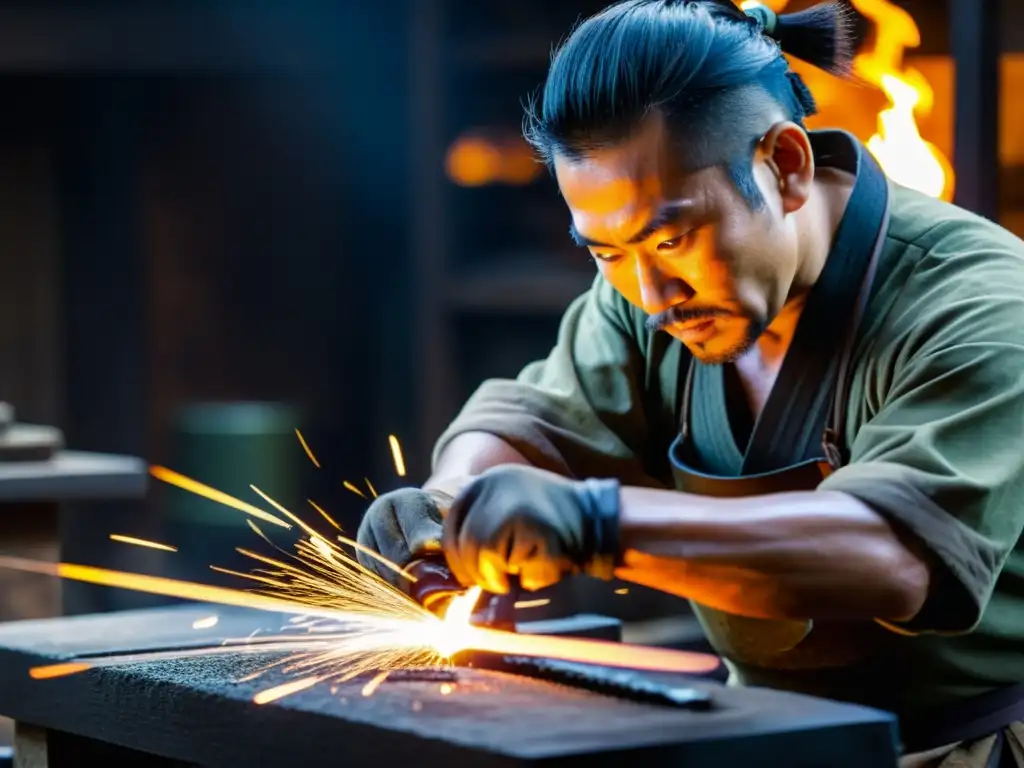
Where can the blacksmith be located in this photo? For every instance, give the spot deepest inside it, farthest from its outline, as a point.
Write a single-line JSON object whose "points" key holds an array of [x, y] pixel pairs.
{"points": [[794, 393]]}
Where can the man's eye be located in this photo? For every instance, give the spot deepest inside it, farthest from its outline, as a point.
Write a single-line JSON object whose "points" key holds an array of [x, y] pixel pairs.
{"points": [[675, 242], [604, 256]]}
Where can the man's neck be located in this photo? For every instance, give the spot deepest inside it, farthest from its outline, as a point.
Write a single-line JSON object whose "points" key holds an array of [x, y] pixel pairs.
{"points": [[817, 222]]}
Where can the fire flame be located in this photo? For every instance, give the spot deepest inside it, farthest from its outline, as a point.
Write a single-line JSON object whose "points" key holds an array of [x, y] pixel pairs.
{"points": [[907, 158]]}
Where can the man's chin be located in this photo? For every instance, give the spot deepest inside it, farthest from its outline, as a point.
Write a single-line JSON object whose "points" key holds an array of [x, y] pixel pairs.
{"points": [[716, 352]]}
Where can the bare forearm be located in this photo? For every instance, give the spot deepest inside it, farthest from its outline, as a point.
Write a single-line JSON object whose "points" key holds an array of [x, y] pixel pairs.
{"points": [[794, 555], [466, 457]]}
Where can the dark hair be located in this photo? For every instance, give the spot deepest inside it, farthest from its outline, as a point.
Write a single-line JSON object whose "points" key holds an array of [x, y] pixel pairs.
{"points": [[717, 74]]}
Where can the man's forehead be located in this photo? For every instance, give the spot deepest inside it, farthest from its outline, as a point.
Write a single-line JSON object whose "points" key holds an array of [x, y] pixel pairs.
{"points": [[609, 181]]}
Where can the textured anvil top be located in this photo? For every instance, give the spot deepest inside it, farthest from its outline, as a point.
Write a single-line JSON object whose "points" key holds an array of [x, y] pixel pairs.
{"points": [[194, 710]]}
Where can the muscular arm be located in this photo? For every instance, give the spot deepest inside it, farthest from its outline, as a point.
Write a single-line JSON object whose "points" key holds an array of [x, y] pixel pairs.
{"points": [[796, 555], [466, 456]]}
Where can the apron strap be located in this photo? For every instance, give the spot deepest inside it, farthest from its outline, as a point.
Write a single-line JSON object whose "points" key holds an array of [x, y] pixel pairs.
{"points": [[835, 429], [832, 438], [684, 412]]}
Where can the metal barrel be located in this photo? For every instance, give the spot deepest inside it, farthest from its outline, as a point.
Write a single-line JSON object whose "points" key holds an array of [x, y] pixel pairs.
{"points": [[229, 446]]}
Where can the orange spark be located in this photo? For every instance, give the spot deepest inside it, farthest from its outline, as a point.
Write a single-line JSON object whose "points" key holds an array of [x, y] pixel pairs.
{"points": [[158, 585], [323, 512], [396, 454], [188, 484], [206, 623], [280, 691], [373, 491], [446, 688], [374, 684], [58, 670], [623, 591], [350, 487], [306, 448], [142, 542], [521, 604]]}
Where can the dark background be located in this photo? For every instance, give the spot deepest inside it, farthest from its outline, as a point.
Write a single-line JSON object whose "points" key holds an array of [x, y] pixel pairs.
{"points": [[249, 202]]}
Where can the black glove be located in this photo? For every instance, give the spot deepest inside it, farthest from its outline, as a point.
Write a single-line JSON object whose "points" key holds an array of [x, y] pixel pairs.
{"points": [[531, 523], [402, 526]]}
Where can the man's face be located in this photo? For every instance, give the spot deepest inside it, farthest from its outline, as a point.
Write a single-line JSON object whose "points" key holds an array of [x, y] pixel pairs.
{"points": [[685, 248]]}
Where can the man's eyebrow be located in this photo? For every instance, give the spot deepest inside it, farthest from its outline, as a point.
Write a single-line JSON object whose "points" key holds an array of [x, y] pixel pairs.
{"points": [[670, 213]]}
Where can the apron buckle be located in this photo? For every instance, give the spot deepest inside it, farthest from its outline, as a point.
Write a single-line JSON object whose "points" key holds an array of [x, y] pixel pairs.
{"points": [[830, 446]]}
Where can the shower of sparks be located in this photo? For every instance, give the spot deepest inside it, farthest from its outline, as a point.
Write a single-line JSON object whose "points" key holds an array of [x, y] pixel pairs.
{"points": [[142, 542], [206, 623], [521, 604], [307, 449], [373, 491], [356, 491], [345, 621], [396, 454], [188, 484]]}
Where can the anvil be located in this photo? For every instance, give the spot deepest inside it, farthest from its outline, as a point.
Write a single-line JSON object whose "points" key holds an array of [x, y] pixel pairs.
{"points": [[194, 712]]}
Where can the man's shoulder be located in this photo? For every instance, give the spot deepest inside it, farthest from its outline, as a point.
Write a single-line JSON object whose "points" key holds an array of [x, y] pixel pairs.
{"points": [[940, 254], [928, 225], [948, 280]]}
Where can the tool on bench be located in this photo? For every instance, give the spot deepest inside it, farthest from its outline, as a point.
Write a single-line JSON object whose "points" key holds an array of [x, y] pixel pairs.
{"points": [[434, 588]]}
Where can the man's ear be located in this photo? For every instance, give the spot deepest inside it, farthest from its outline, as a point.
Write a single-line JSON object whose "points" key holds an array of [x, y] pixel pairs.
{"points": [[786, 150]]}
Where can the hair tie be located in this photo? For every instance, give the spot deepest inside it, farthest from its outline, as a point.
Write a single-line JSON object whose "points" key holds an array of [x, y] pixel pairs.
{"points": [[765, 17]]}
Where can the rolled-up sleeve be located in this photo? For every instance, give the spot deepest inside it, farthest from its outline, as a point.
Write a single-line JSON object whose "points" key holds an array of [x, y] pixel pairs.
{"points": [[943, 456], [580, 411]]}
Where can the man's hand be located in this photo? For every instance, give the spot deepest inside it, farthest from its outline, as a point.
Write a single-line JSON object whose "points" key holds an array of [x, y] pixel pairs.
{"points": [[402, 526], [517, 520]]}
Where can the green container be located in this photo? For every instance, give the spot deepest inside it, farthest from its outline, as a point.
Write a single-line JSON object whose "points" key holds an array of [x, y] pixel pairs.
{"points": [[229, 446]]}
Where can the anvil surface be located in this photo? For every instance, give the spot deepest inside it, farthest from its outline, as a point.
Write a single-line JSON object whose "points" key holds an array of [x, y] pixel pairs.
{"points": [[194, 711]]}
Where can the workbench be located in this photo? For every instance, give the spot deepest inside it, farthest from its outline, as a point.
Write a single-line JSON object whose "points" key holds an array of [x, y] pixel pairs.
{"points": [[196, 712]]}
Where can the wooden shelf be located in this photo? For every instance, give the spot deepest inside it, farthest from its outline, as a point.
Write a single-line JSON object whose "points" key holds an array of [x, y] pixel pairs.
{"points": [[526, 289]]}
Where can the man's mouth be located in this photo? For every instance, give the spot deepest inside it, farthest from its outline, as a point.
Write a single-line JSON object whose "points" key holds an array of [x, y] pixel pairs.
{"points": [[695, 330], [694, 325]]}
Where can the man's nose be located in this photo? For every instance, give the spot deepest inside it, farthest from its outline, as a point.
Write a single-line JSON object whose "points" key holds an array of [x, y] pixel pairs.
{"points": [[659, 290]]}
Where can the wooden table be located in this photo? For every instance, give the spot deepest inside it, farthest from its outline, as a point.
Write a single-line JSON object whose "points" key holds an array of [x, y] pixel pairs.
{"points": [[195, 712]]}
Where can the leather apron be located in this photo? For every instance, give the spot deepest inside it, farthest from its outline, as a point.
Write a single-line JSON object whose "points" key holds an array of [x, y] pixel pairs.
{"points": [[795, 442]]}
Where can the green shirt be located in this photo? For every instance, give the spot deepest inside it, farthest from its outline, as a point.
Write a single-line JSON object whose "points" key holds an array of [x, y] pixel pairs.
{"points": [[935, 431]]}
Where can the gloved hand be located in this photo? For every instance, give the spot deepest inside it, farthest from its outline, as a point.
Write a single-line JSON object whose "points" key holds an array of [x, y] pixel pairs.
{"points": [[403, 525], [516, 520]]}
